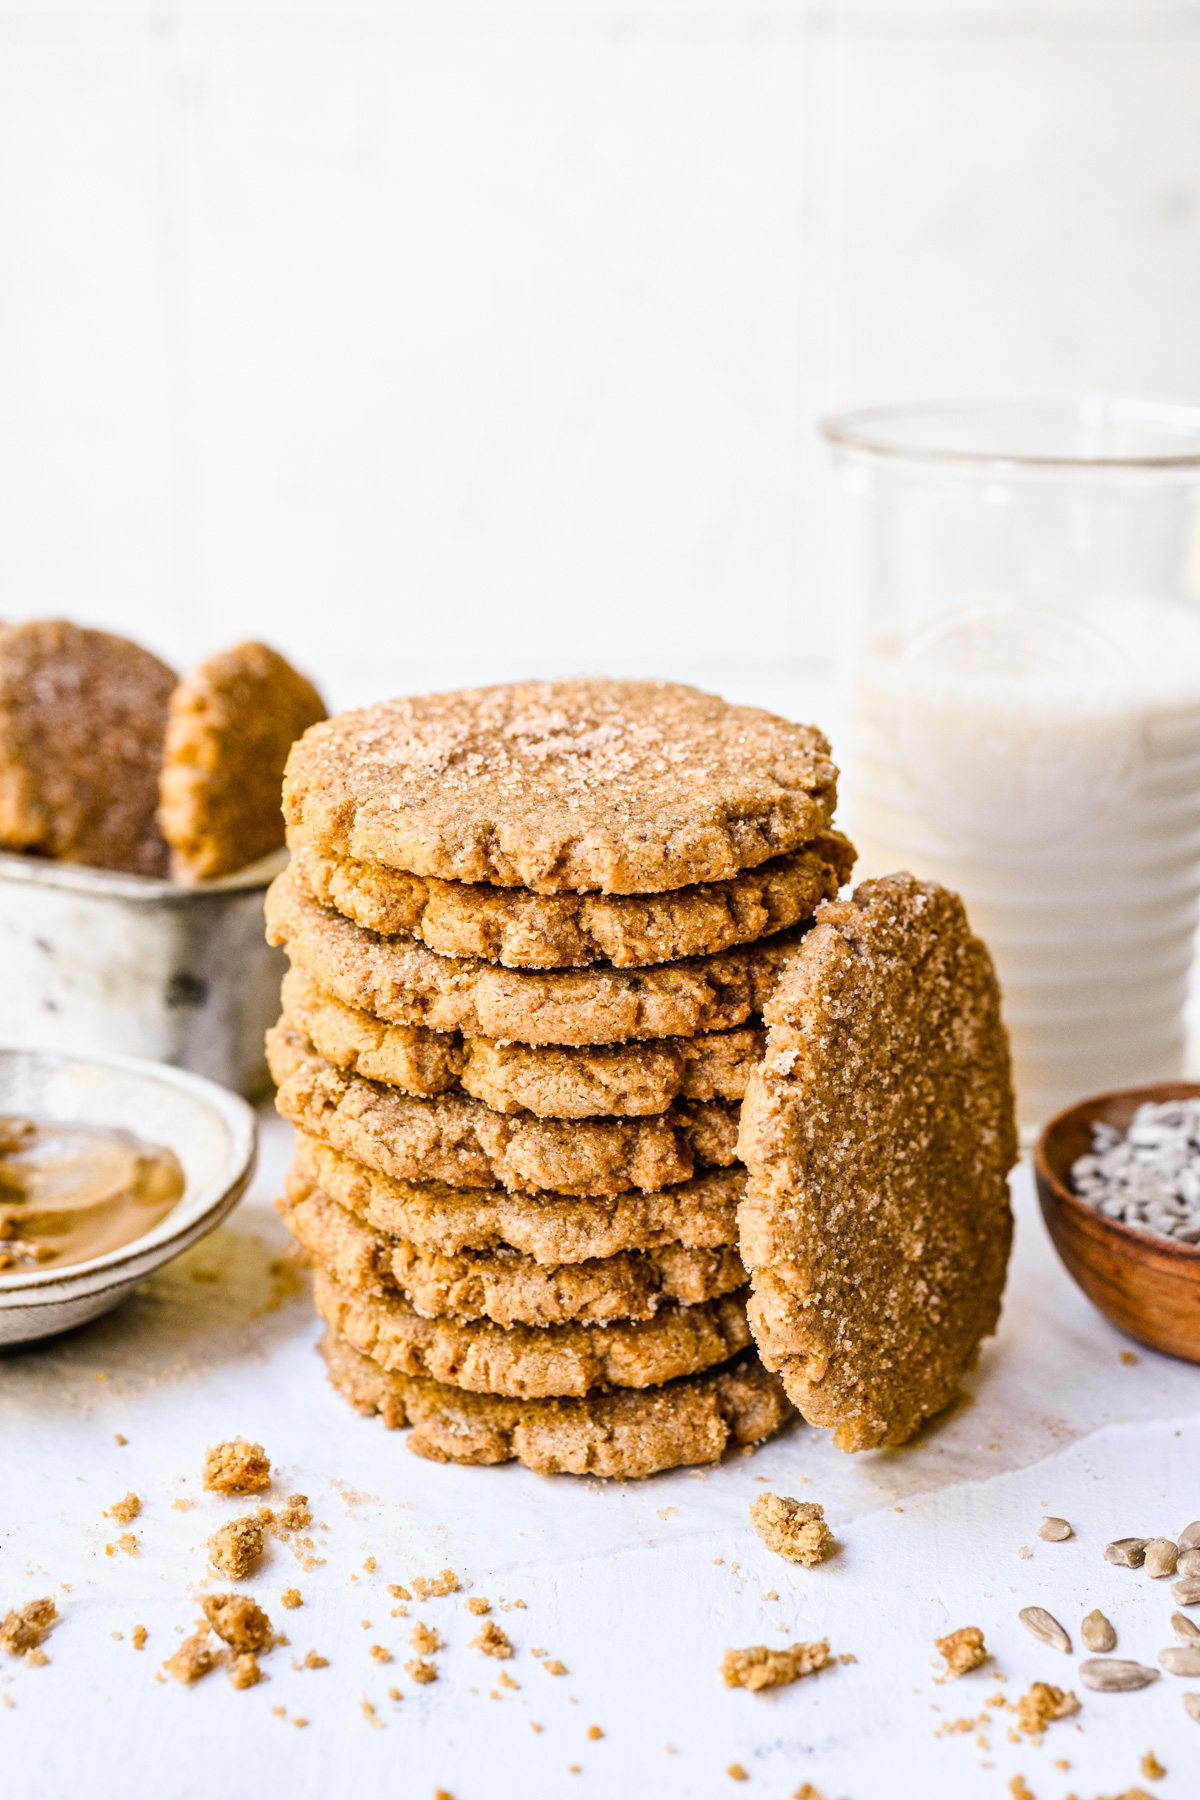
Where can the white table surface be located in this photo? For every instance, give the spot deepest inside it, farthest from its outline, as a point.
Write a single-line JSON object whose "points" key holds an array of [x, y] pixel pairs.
{"points": [[622, 1583]]}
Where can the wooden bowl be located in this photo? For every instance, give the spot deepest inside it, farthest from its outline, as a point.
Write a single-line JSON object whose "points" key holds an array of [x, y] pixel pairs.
{"points": [[1147, 1286]]}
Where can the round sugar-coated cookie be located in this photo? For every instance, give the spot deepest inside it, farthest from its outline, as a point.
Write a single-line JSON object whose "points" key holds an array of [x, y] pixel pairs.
{"points": [[232, 722], [523, 930], [82, 720], [878, 1135], [457, 1139], [622, 1435], [572, 1082], [503, 1286], [405, 983], [550, 1228], [532, 1362], [624, 787]]}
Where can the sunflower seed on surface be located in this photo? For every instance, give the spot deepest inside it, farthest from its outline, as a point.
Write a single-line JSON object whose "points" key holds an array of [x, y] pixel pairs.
{"points": [[1186, 1593], [1185, 1629], [1127, 1553], [1112, 1675], [1181, 1659], [1160, 1557], [1189, 1537], [1055, 1531], [1045, 1626], [1098, 1634], [1191, 1706], [1189, 1563]]}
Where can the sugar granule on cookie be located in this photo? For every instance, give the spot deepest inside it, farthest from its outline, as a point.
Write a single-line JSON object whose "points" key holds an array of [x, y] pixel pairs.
{"points": [[239, 1621], [236, 1467], [963, 1650], [621, 786], [757, 1667], [231, 724], [878, 1134], [235, 1548], [795, 1529], [82, 719]]}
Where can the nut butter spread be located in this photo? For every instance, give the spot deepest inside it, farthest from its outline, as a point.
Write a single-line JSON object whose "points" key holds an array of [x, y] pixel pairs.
{"points": [[71, 1192]]}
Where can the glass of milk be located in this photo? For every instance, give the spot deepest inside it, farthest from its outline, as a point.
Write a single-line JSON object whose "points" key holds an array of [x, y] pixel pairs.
{"points": [[1019, 600]]}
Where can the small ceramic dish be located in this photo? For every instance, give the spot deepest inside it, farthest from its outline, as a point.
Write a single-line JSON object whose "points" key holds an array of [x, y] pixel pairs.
{"points": [[212, 1132], [1147, 1286]]}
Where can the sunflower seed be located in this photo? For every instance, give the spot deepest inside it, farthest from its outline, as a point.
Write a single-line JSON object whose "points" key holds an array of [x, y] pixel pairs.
{"points": [[1111, 1675], [1189, 1563], [1098, 1634], [1160, 1557], [1186, 1630], [1055, 1531], [1186, 1593], [1045, 1626], [1181, 1659], [1127, 1553], [1191, 1706], [1189, 1537]]}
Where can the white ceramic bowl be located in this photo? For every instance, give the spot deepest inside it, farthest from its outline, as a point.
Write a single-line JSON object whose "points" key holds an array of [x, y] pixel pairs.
{"points": [[212, 1132]]}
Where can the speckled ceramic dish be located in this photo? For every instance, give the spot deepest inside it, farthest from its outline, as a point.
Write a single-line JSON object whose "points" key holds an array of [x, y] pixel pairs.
{"points": [[211, 1131]]}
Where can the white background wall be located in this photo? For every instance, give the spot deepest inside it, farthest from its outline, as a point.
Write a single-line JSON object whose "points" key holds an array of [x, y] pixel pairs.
{"points": [[433, 340]]}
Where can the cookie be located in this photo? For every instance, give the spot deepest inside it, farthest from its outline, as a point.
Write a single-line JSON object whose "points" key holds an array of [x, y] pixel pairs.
{"points": [[878, 1135], [401, 981], [533, 1362], [564, 931], [457, 1139], [576, 1082], [505, 1287], [82, 720], [549, 1228], [622, 1435], [232, 722], [626, 787]]}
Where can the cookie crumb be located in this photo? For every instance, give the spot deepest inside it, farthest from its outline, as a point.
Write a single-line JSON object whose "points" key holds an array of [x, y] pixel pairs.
{"points": [[495, 1642], [1042, 1705], [736, 1772], [757, 1667], [236, 1467], [300, 1723], [244, 1671], [1128, 1356], [506, 1680], [293, 1515], [1024, 1553], [26, 1627], [399, 1593], [124, 1511], [194, 1658], [119, 1439], [794, 1529], [1018, 1790], [312, 1661], [239, 1622], [425, 1641], [370, 1715], [847, 1657], [554, 1667], [479, 1606], [1152, 1769], [235, 1548], [139, 1637], [423, 1672], [594, 1732], [395, 1694], [290, 1598], [963, 1651], [434, 1587], [380, 1653], [126, 1542], [369, 1566]]}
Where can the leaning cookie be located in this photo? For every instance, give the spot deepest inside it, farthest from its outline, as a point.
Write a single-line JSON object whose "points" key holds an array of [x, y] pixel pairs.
{"points": [[82, 718], [232, 722], [621, 1435], [878, 1135]]}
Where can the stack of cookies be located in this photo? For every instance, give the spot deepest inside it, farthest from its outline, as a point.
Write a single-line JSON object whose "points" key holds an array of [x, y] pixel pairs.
{"points": [[531, 931]]}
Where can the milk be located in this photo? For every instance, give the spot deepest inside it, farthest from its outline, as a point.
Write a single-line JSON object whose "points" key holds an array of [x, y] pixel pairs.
{"points": [[1046, 764]]}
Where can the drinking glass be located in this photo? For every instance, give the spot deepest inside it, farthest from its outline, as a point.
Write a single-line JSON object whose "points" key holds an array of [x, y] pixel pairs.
{"points": [[1019, 602]]}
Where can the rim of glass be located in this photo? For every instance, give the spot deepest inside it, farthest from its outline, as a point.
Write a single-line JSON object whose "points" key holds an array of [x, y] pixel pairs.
{"points": [[854, 430]]}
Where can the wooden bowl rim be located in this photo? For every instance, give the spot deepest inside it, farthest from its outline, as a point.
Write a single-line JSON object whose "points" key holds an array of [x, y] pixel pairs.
{"points": [[1158, 1091]]}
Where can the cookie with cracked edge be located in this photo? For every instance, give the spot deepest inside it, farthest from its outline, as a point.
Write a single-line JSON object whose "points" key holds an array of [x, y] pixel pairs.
{"points": [[549, 1228], [878, 1135], [625, 787], [535, 1361], [83, 715], [560, 1082], [402, 982], [621, 1435], [522, 930], [459, 1140], [232, 722], [503, 1286]]}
